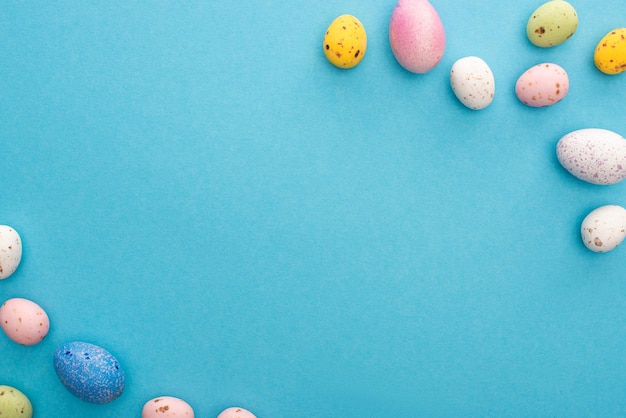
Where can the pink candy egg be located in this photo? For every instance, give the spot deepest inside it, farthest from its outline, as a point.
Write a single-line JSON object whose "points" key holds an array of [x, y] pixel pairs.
{"points": [[24, 321], [542, 85], [416, 35], [236, 412], [166, 407]]}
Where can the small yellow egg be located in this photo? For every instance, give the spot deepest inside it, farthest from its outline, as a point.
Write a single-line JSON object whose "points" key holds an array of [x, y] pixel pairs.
{"points": [[345, 42], [610, 55]]}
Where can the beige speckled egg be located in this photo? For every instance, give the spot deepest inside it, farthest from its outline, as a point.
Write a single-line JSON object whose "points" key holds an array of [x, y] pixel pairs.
{"points": [[10, 251], [24, 321], [167, 407], [236, 412], [472, 82], [604, 228]]}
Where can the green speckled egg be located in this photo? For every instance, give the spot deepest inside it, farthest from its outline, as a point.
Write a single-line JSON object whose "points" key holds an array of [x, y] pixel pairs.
{"points": [[552, 24], [14, 404]]}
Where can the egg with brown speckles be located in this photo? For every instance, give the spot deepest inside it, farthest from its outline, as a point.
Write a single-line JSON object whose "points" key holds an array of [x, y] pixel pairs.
{"points": [[167, 407], [610, 54], [14, 404], [594, 155], [604, 228], [472, 82], [552, 23], [23, 321], [10, 251], [345, 42], [236, 412], [543, 85]]}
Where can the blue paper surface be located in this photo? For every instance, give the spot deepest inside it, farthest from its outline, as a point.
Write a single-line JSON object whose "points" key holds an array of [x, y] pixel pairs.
{"points": [[242, 224]]}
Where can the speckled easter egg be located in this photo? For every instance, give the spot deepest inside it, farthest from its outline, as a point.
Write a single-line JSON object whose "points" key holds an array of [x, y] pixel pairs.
{"points": [[167, 407], [14, 404], [236, 412], [552, 24], [610, 55], [604, 228], [24, 321], [345, 42], [89, 372], [10, 251], [593, 155], [416, 35], [542, 85], [472, 82]]}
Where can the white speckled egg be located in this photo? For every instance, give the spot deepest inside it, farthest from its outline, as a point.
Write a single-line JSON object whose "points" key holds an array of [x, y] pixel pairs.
{"points": [[10, 251], [23, 321], [236, 412], [165, 407], [594, 155], [472, 82], [604, 228]]}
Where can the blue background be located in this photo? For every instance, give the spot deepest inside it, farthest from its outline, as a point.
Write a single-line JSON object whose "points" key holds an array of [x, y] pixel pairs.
{"points": [[241, 223]]}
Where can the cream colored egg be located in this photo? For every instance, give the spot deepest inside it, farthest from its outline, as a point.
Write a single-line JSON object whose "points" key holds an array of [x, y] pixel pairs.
{"points": [[472, 82], [604, 228], [10, 251]]}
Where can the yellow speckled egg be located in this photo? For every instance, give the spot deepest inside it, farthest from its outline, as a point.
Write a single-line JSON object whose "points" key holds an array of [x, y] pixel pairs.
{"points": [[345, 41], [610, 55]]}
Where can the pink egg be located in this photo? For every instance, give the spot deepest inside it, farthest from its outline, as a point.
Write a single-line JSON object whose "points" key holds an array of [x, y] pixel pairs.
{"points": [[416, 35], [542, 85], [24, 321], [236, 412], [166, 407]]}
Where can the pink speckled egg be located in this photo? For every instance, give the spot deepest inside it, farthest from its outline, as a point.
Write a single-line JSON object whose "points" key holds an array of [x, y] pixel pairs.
{"points": [[24, 321], [166, 407], [236, 412], [542, 85], [597, 156], [416, 35]]}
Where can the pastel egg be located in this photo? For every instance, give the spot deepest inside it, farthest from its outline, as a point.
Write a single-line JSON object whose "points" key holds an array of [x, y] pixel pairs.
{"points": [[542, 85], [345, 42], [610, 55], [472, 82], [10, 251], [236, 412], [23, 321], [89, 372], [597, 156], [14, 404], [165, 407], [552, 24], [416, 35], [604, 228]]}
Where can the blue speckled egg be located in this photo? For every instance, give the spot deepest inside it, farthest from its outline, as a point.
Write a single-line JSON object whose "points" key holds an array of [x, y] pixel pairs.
{"points": [[89, 372]]}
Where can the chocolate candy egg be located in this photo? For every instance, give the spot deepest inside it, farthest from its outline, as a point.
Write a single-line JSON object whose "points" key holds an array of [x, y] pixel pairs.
{"points": [[472, 82], [604, 228], [89, 372], [552, 24], [24, 321], [542, 85], [10, 251], [345, 42], [236, 412], [597, 156], [166, 407], [610, 55], [14, 404], [416, 35]]}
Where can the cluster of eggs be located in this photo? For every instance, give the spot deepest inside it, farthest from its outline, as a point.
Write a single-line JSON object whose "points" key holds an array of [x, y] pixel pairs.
{"points": [[417, 39], [87, 371]]}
